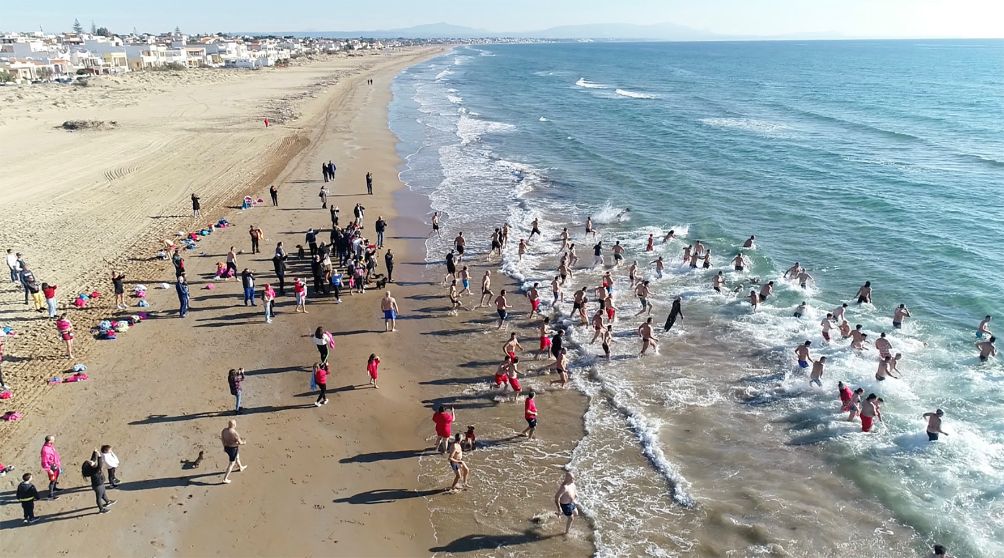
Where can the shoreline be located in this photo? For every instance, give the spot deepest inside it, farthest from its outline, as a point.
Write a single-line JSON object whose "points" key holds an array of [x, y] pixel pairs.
{"points": [[181, 374]]}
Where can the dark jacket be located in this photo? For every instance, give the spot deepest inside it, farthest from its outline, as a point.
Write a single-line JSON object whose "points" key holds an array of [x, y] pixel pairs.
{"points": [[26, 492]]}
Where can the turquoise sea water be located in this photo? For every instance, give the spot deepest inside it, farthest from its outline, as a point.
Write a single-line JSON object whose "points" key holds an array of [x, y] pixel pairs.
{"points": [[878, 161]]}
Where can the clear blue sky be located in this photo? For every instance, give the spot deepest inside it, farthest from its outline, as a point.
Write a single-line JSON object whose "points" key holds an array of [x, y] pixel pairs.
{"points": [[853, 18]]}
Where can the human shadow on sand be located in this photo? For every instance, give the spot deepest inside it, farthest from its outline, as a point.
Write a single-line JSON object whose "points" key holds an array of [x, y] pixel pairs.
{"points": [[159, 419], [168, 482], [385, 456], [474, 543], [387, 496]]}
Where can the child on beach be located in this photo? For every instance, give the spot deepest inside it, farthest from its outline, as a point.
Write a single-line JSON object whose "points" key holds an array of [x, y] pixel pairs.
{"points": [[65, 330], [372, 367]]}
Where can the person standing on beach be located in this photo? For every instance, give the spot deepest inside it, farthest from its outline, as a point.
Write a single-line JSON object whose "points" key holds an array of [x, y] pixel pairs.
{"points": [[321, 372], [530, 414], [52, 465], [390, 310], [256, 235], [65, 330], [300, 291], [369, 183], [279, 264], [675, 313], [565, 500], [118, 285], [93, 470], [647, 338], [232, 443], [235, 380], [196, 206], [934, 425], [181, 286], [26, 496], [268, 301], [388, 261], [444, 425], [112, 462], [274, 193], [247, 281], [456, 460], [49, 292], [323, 194], [380, 226], [231, 263], [13, 266]]}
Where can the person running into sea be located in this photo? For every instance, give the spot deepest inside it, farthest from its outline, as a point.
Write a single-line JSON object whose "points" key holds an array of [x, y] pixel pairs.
{"points": [[687, 252], [633, 273], [486, 289], [563, 237], [465, 281], [460, 244], [800, 309], [597, 322], [435, 225], [883, 346], [565, 500], [579, 305], [718, 281], [502, 308], [534, 228], [598, 254], [606, 339], [530, 414], [884, 369], [455, 305], [934, 425], [750, 242], [802, 354], [766, 290], [740, 262], [827, 325], [521, 248], [642, 292], [589, 227], [451, 268], [533, 295], [845, 329], [983, 330], [561, 365], [899, 315], [870, 410], [675, 313], [816, 375], [543, 333], [618, 251], [987, 349], [232, 443], [854, 407], [858, 338], [460, 468], [864, 294], [390, 311], [660, 266], [511, 347], [650, 244], [754, 299], [647, 336], [793, 271], [804, 278], [839, 313]]}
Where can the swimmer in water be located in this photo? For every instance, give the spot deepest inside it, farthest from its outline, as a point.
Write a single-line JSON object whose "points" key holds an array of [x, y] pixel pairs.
{"points": [[838, 313], [659, 266], [858, 339], [816, 376], [883, 346], [804, 278], [754, 299], [885, 369], [750, 242], [827, 325], [800, 309], [740, 262], [899, 315], [865, 293], [622, 213], [793, 271], [687, 251], [934, 425], [987, 349], [718, 282], [802, 353], [766, 290], [669, 236], [650, 243], [983, 330]]}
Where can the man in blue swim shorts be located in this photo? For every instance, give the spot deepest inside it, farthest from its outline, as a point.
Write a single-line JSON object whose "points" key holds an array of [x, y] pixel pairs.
{"points": [[802, 353], [390, 311], [565, 500]]}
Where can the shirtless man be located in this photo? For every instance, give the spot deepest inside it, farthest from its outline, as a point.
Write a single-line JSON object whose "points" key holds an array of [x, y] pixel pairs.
{"points": [[983, 330], [573, 258], [800, 309], [934, 425], [501, 308], [465, 281], [804, 278], [561, 366], [854, 405], [502, 373], [564, 238], [486, 288], [606, 339], [754, 299], [845, 329], [766, 290], [544, 336], [563, 271], [698, 249], [816, 376], [521, 249], [633, 273], [859, 339], [618, 251], [642, 293], [884, 369], [460, 243], [740, 262], [647, 338], [894, 365], [511, 346], [556, 293], [496, 244], [883, 346], [750, 242], [669, 236], [650, 243], [435, 225], [802, 354], [827, 325], [597, 322], [659, 266], [454, 298], [987, 349], [579, 304], [564, 500], [390, 311], [838, 313], [870, 411], [718, 282], [865, 293], [900, 314], [793, 271], [457, 464], [687, 252], [534, 228], [533, 295], [589, 227]]}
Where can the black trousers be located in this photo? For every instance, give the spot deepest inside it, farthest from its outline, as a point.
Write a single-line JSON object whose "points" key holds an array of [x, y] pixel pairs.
{"points": [[323, 395], [390, 273], [29, 509], [282, 281], [275, 198], [254, 246]]}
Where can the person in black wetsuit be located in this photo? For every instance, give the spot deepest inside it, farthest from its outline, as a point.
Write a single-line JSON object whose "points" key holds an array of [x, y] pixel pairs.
{"points": [[675, 313]]}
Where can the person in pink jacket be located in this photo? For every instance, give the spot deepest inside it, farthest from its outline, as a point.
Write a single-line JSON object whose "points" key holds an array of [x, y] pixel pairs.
{"points": [[52, 465]]}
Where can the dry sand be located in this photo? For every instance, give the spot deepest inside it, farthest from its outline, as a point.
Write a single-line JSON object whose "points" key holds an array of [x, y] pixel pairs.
{"points": [[353, 478]]}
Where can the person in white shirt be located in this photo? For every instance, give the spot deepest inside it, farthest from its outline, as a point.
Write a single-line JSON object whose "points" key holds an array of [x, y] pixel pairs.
{"points": [[14, 267], [112, 462]]}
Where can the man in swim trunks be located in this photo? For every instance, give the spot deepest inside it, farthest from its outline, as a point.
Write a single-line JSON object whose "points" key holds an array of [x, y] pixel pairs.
{"points": [[454, 298], [502, 373], [816, 376], [459, 244], [633, 273], [858, 338], [870, 411], [800, 309], [465, 280], [934, 425], [232, 442], [838, 313], [660, 266], [983, 330], [884, 369], [750, 242], [987, 349], [845, 329], [597, 322], [511, 346], [802, 353], [618, 251], [647, 336], [564, 238], [865, 293], [854, 406], [390, 310], [534, 228], [766, 290], [435, 225], [803, 278], [556, 293], [827, 325], [642, 292], [793, 271], [486, 288], [561, 366], [718, 282], [530, 414], [533, 295], [543, 332], [579, 305], [606, 339], [883, 346], [740, 262], [460, 468], [669, 236], [564, 500], [502, 307], [754, 299], [900, 314], [589, 227]]}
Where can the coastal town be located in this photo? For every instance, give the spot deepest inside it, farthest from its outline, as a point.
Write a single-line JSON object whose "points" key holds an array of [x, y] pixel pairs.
{"points": [[62, 57]]}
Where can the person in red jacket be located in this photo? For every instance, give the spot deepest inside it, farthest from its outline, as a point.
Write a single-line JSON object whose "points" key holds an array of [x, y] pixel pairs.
{"points": [[321, 379], [50, 298]]}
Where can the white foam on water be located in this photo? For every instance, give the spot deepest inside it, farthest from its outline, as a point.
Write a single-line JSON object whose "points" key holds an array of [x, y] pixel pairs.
{"points": [[634, 94], [751, 125], [443, 74], [582, 82], [542, 119]]}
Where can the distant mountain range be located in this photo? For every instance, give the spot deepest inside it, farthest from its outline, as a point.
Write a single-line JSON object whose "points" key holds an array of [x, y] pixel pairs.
{"points": [[614, 31]]}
